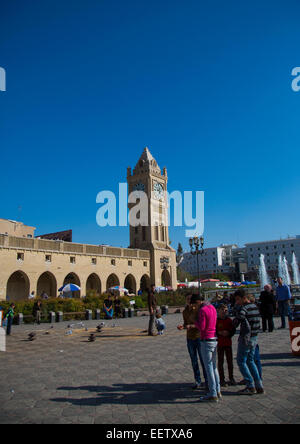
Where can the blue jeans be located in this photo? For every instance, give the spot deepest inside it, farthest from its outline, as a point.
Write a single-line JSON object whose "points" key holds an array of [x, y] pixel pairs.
{"points": [[109, 313], [209, 356], [247, 365], [284, 310], [257, 361], [194, 348]]}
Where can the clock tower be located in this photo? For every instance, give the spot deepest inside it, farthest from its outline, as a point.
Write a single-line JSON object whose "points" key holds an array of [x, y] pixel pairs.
{"points": [[154, 235]]}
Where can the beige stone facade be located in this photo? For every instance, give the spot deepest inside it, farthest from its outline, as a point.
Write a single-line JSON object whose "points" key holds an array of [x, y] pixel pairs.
{"points": [[39, 265], [13, 228]]}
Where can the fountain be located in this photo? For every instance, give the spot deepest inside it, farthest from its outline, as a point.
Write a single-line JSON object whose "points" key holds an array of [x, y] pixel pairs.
{"points": [[283, 270], [296, 273], [263, 275]]}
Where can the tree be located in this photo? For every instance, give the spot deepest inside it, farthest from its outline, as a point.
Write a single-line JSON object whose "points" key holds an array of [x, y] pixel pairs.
{"points": [[221, 277], [182, 275], [179, 253]]}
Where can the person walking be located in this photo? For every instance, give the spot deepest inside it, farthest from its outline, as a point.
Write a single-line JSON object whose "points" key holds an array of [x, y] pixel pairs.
{"points": [[9, 318], [152, 304], [283, 297], [190, 316], [267, 308], [37, 311], [206, 324], [225, 332], [248, 317]]}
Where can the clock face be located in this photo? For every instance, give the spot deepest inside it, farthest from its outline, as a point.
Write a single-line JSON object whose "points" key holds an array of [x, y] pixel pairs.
{"points": [[139, 187], [158, 191]]}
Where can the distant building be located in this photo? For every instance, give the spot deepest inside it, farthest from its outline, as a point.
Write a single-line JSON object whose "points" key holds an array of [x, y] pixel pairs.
{"points": [[18, 229], [214, 260], [271, 250], [65, 236]]}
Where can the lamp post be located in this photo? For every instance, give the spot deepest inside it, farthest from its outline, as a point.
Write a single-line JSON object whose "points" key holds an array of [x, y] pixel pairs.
{"points": [[196, 245]]}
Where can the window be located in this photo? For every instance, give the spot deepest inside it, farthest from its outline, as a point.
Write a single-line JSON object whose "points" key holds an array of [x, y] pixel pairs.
{"points": [[48, 258], [136, 230], [29, 236], [94, 261], [129, 263], [156, 232], [144, 233], [113, 262], [72, 260], [20, 256], [145, 264]]}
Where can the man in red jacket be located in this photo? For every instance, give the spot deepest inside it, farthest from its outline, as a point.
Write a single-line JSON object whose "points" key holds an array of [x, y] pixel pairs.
{"points": [[225, 331]]}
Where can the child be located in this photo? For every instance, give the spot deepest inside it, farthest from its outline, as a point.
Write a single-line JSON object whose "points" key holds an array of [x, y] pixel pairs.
{"points": [[225, 331], [9, 318], [160, 324]]}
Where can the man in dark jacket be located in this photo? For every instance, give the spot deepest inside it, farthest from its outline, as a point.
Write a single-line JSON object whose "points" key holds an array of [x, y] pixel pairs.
{"points": [[248, 317], [267, 308], [152, 309]]}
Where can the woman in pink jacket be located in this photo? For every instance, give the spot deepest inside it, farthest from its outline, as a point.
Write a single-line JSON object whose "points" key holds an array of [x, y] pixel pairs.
{"points": [[206, 323]]}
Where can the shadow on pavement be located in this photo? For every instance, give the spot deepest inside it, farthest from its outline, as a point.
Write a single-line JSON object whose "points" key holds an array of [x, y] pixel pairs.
{"points": [[272, 356], [134, 394]]}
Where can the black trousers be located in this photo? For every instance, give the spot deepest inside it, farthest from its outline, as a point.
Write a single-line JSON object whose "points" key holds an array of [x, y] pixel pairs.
{"points": [[9, 324], [267, 320], [222, 351]]}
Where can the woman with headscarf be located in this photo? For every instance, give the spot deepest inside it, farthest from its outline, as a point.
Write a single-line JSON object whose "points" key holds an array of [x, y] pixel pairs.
{"points": [[267, 308]]}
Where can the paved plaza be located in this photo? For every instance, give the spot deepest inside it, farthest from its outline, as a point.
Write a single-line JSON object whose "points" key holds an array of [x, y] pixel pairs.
{"points": [[125, 377]]}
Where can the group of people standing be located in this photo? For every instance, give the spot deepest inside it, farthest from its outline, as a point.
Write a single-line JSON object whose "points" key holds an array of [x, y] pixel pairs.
{"points": [[275, 302], [209, 336]]}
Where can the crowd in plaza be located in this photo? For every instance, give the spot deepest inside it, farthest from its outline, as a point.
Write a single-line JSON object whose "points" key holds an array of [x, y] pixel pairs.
{"points": [[210, 330]]}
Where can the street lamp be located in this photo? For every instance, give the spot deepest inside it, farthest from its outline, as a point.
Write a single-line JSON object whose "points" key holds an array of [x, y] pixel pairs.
{"points": [[196, 245]]}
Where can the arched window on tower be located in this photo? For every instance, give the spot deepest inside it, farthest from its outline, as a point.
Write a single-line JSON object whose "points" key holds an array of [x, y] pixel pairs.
{"points": [[163, 233], [156, 233]]}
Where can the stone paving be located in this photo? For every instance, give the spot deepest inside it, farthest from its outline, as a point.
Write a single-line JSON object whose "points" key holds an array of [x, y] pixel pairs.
{"points": [[125, 377]]}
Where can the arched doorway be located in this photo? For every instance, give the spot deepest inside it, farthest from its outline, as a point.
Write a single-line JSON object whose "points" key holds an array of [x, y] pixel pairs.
{"points": [[130, 284], [72, 278], [112, 281], [18, 287], [145, 283], [166, 279], [93, 283], [47, 284]]}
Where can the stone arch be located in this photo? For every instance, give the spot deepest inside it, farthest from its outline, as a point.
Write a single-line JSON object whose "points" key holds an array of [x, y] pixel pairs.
{"points": [[18, 286], [93, 283], [72, 278], [145, 283], [47, 283], [130, 284], [112, 281], [166, 279]]}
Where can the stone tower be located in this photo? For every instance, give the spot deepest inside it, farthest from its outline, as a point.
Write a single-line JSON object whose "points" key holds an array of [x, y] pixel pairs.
{"points": [[154, 236]]}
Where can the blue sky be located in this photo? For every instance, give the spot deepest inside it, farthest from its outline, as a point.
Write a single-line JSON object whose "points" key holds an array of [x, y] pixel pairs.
{"points": [[206, 85]]}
